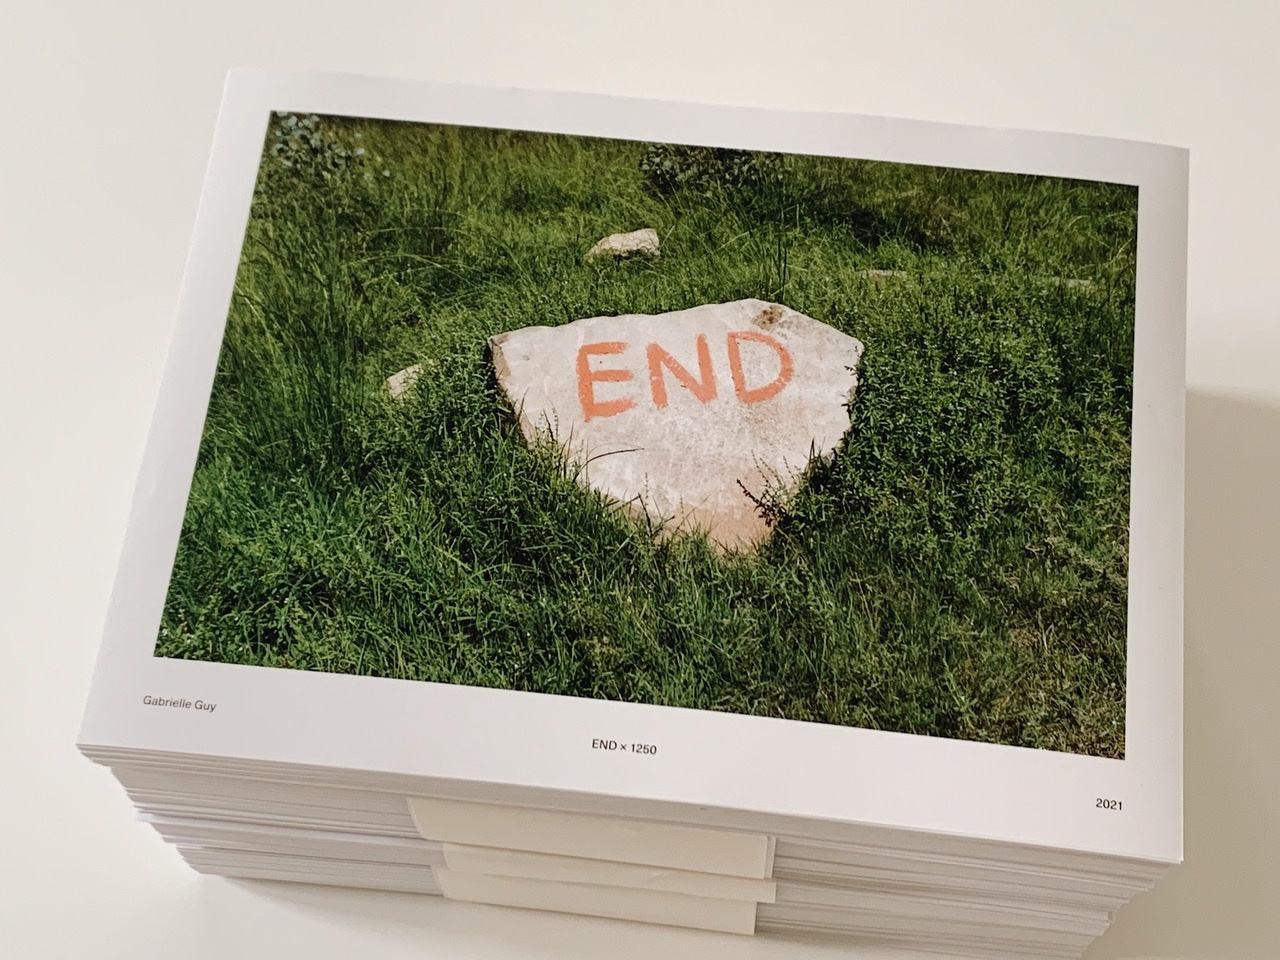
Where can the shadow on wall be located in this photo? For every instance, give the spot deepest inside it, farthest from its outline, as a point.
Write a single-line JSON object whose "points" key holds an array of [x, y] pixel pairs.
{"points": [[1222, 902]]}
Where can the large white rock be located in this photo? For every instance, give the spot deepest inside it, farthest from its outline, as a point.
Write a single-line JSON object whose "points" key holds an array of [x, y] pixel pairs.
{"points": [[692, 416], [619, 245]]}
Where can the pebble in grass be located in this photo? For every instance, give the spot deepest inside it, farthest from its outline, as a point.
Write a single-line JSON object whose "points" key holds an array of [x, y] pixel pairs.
{"points": [[399, 383], [619, 246], [699, 419]]}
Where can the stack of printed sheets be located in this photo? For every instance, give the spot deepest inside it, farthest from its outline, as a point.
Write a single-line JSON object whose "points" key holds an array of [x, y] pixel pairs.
{"points": [[818, 576], [935, 893]]}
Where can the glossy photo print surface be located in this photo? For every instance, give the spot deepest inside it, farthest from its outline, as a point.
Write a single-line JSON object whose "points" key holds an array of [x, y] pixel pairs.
{"points": [[810, 438]]}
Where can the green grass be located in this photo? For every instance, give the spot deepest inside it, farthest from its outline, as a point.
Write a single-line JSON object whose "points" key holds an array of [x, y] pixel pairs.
{"points": [[958, 568]]}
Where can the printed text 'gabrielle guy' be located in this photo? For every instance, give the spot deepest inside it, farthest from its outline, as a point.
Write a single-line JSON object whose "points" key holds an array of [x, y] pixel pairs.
{"points": [[179, 703]]}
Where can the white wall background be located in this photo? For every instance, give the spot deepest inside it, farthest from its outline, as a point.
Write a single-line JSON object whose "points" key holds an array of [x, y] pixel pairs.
{"points": [[106, 114]]}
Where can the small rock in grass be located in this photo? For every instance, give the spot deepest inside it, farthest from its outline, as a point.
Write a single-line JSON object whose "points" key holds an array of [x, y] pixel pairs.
{"points": [[1069, 283], [400, 382], [621, 245]]}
